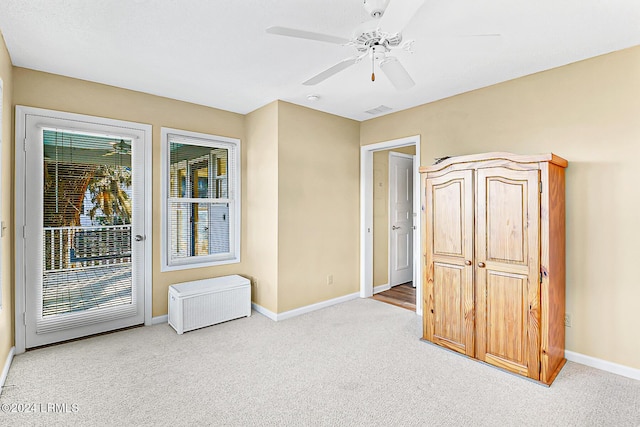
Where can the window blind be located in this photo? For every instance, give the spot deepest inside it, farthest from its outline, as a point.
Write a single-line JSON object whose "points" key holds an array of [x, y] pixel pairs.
{"points": [[201, 195]]}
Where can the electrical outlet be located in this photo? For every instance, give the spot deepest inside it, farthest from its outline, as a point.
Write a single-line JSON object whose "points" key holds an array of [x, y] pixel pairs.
{"points": [[330, 279], [567, 320]]}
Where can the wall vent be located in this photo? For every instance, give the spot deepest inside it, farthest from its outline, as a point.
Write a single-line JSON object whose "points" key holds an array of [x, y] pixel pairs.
{"points": [[379, 110]]}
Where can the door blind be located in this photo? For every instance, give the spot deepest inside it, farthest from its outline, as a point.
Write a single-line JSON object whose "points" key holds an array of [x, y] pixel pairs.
{"points": [[86, 236]]}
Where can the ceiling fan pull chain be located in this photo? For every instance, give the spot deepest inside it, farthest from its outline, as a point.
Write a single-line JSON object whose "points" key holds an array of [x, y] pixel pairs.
{"points": [[373, 74]]}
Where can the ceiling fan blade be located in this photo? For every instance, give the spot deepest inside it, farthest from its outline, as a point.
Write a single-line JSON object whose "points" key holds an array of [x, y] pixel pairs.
{"points": [[396, 73], [331, 71], [292, 32], [398, 15]]}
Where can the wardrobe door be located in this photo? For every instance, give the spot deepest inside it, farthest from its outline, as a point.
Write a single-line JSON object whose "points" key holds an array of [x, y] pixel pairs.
{"points": [[448, 293], [507, 269]]}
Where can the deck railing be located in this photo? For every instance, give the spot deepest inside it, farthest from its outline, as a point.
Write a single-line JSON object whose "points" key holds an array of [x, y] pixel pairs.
{"points": [[73, 247]]}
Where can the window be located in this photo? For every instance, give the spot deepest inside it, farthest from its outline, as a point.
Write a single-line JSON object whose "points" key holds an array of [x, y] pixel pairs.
{"points": [[201, 199]]}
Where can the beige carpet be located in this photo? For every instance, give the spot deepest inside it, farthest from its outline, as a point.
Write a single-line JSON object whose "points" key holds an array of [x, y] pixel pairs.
{"points": [[359, 363]]}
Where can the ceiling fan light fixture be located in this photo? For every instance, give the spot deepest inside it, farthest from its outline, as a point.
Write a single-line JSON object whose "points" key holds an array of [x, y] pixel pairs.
{"points": [[396, 73]]}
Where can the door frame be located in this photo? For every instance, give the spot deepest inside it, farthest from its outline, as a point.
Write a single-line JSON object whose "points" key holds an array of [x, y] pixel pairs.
{"points": [[366, 217], [392, 191], [19, 166]]}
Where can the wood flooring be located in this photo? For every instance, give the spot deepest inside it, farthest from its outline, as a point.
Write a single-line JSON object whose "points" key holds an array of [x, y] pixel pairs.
{"points": [[402, 296]]}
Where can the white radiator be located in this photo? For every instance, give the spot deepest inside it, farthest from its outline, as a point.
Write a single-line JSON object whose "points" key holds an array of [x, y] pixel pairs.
{"points": [[201, 303]]}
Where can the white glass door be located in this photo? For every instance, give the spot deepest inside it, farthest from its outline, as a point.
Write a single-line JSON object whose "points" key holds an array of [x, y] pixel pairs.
{"points": [[84, 229]]}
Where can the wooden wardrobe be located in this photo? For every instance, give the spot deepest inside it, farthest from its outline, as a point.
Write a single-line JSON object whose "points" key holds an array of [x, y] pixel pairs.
{"points": [[494, 285]]}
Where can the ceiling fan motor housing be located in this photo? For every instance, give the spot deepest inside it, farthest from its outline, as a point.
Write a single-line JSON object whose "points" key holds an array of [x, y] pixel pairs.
{"points": [[368, 34]]}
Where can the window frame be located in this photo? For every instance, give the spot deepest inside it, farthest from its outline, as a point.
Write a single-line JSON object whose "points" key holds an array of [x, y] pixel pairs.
{"points": [[234, 167]]}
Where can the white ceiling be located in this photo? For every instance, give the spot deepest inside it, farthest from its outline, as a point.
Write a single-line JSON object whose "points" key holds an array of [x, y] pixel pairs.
{"points": [[216, 52]]}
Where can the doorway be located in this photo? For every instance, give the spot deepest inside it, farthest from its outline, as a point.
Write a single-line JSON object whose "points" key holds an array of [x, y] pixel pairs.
{"points": [[370, 266], [83, 214]]}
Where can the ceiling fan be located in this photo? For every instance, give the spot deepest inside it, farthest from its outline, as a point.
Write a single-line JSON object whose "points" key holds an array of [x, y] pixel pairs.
{"points": [[119, 147], [374, 38]]}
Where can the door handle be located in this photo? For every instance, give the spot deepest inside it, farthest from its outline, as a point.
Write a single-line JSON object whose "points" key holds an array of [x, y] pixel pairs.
{"points": [[139, 238], [394, 227]]}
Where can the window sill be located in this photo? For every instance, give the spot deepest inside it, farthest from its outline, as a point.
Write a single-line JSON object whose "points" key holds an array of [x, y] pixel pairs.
{"points": [[177, 267]]}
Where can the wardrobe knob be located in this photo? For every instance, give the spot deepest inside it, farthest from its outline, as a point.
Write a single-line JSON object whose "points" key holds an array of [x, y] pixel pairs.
{"points": [[481, 265], [467, 262]]}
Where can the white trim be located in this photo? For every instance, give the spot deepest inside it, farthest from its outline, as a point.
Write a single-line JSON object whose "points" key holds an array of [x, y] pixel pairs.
{"points": [[235, 184], [603, 365], [366, 216], [303, 310], [160, 319], [317, 306], [381, 288], [5, 370], [265, 312], [124, 128], [366, 222], [19, 209], [148, 225]]}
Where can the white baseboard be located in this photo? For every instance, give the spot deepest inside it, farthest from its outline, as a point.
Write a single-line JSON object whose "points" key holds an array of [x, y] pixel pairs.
{"points": [[303, 310], [265, 312], [160, 319], [603, 365], [7, 365], [381, 288], [313, 307]]}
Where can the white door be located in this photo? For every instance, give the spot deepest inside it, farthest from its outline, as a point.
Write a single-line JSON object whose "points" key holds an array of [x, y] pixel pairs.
{"points": [[84, 227], [400, 218]]}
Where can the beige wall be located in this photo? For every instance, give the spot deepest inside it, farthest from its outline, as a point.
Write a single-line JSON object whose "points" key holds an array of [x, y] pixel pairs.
{"points": [[262, 204], [37, 89], [588, 113], [318, 209], [6, 193], [381, 213]]}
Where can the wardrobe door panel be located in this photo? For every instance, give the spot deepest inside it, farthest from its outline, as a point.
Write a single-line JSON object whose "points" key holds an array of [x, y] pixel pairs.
{"points": [[448, 294], [506, 321], [508, 268]]}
